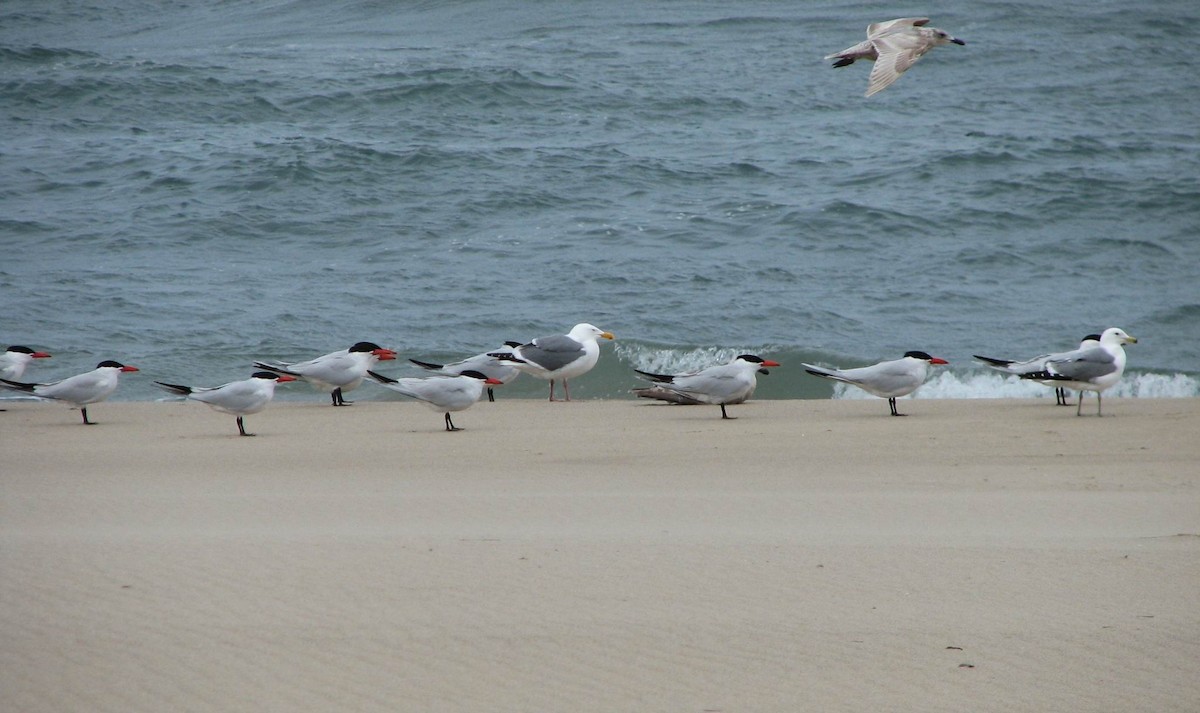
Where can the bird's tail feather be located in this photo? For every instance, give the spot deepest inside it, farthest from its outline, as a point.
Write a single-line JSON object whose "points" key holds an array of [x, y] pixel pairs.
{"points": [[277, 368], [826, 373], [177, 389], [18, 385], [662, 378], [999, 363], [380, 377]]}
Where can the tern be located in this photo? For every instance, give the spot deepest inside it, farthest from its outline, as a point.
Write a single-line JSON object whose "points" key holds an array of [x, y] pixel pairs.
{"points": [[14, 360], [240, 398], [894, 46], [887, 379], [1037, 363], [79, 390], [1090, 369], [486, 364], [443, 394], [559, 356], [721, 385], [336, 372]]}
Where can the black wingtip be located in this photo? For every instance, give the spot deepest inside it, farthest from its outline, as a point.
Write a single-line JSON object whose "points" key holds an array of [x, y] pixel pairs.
{"points": [[427, 364], [380, 377], [663, 378], [275, 368], [993, 362], [1044, 376], [18, 385], [179, 389]]}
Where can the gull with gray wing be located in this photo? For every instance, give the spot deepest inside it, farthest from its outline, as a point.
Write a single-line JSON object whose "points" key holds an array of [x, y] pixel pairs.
{"points": [[1038, 363], [558, 356], [1092, 369], [893, 46]]}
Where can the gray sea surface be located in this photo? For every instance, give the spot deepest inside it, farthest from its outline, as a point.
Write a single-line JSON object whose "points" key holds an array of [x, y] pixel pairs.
{"points": [[190, 186]]}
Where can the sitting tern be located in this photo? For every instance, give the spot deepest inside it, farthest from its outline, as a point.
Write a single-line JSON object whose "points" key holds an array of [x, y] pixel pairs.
{"points": [[1091, 369], [79, 390], [721, 385], [894, 46], [443, 394], [336, 372], [240, 398], [559, 356], [887, 379]]}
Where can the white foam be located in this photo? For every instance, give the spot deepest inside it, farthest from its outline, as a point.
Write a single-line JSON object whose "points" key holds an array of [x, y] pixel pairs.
{"points": [[952, 385], [658, 360]]}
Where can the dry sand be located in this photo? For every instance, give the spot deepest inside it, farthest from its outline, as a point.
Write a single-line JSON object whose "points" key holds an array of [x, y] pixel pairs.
{"points": [[602, 556]]}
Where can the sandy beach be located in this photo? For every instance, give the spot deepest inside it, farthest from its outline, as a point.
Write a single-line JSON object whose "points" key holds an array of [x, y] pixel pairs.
{"points": [[977, 555]]}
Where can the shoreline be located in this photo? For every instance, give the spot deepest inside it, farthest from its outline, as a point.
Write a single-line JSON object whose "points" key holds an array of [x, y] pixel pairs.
{"points": [[602, 555]]}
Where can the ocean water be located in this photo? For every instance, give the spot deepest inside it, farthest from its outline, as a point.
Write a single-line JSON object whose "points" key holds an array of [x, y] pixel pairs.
{"points": [[190, 186]]}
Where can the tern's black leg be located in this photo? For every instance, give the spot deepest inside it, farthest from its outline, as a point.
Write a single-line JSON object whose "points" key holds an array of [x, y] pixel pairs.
{"points": [[450, 424], [242, 428], [338, 400], [491, 395], [86, 422], [892, 403], [1060, 396], [725, 415]]}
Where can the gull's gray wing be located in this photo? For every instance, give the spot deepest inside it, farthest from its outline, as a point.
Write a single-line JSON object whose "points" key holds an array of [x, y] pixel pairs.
{"points": [[551, 353], [898, 25], [1084, 365]]}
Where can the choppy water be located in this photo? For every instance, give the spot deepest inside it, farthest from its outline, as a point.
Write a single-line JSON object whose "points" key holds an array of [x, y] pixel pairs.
{"points": [[194, 185]]}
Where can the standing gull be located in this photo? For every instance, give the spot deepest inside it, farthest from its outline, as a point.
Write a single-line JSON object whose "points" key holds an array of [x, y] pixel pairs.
{"points": [[486, 364], [894, 46], [721, 385], [441, 393], [1038, 363], [1092, 369], [240, 398], [559, 356], [79, 390], [887, 379], [335, 372]]}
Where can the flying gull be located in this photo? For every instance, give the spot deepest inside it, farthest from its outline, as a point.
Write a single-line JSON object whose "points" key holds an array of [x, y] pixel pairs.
{"points": [[894, 46]]}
